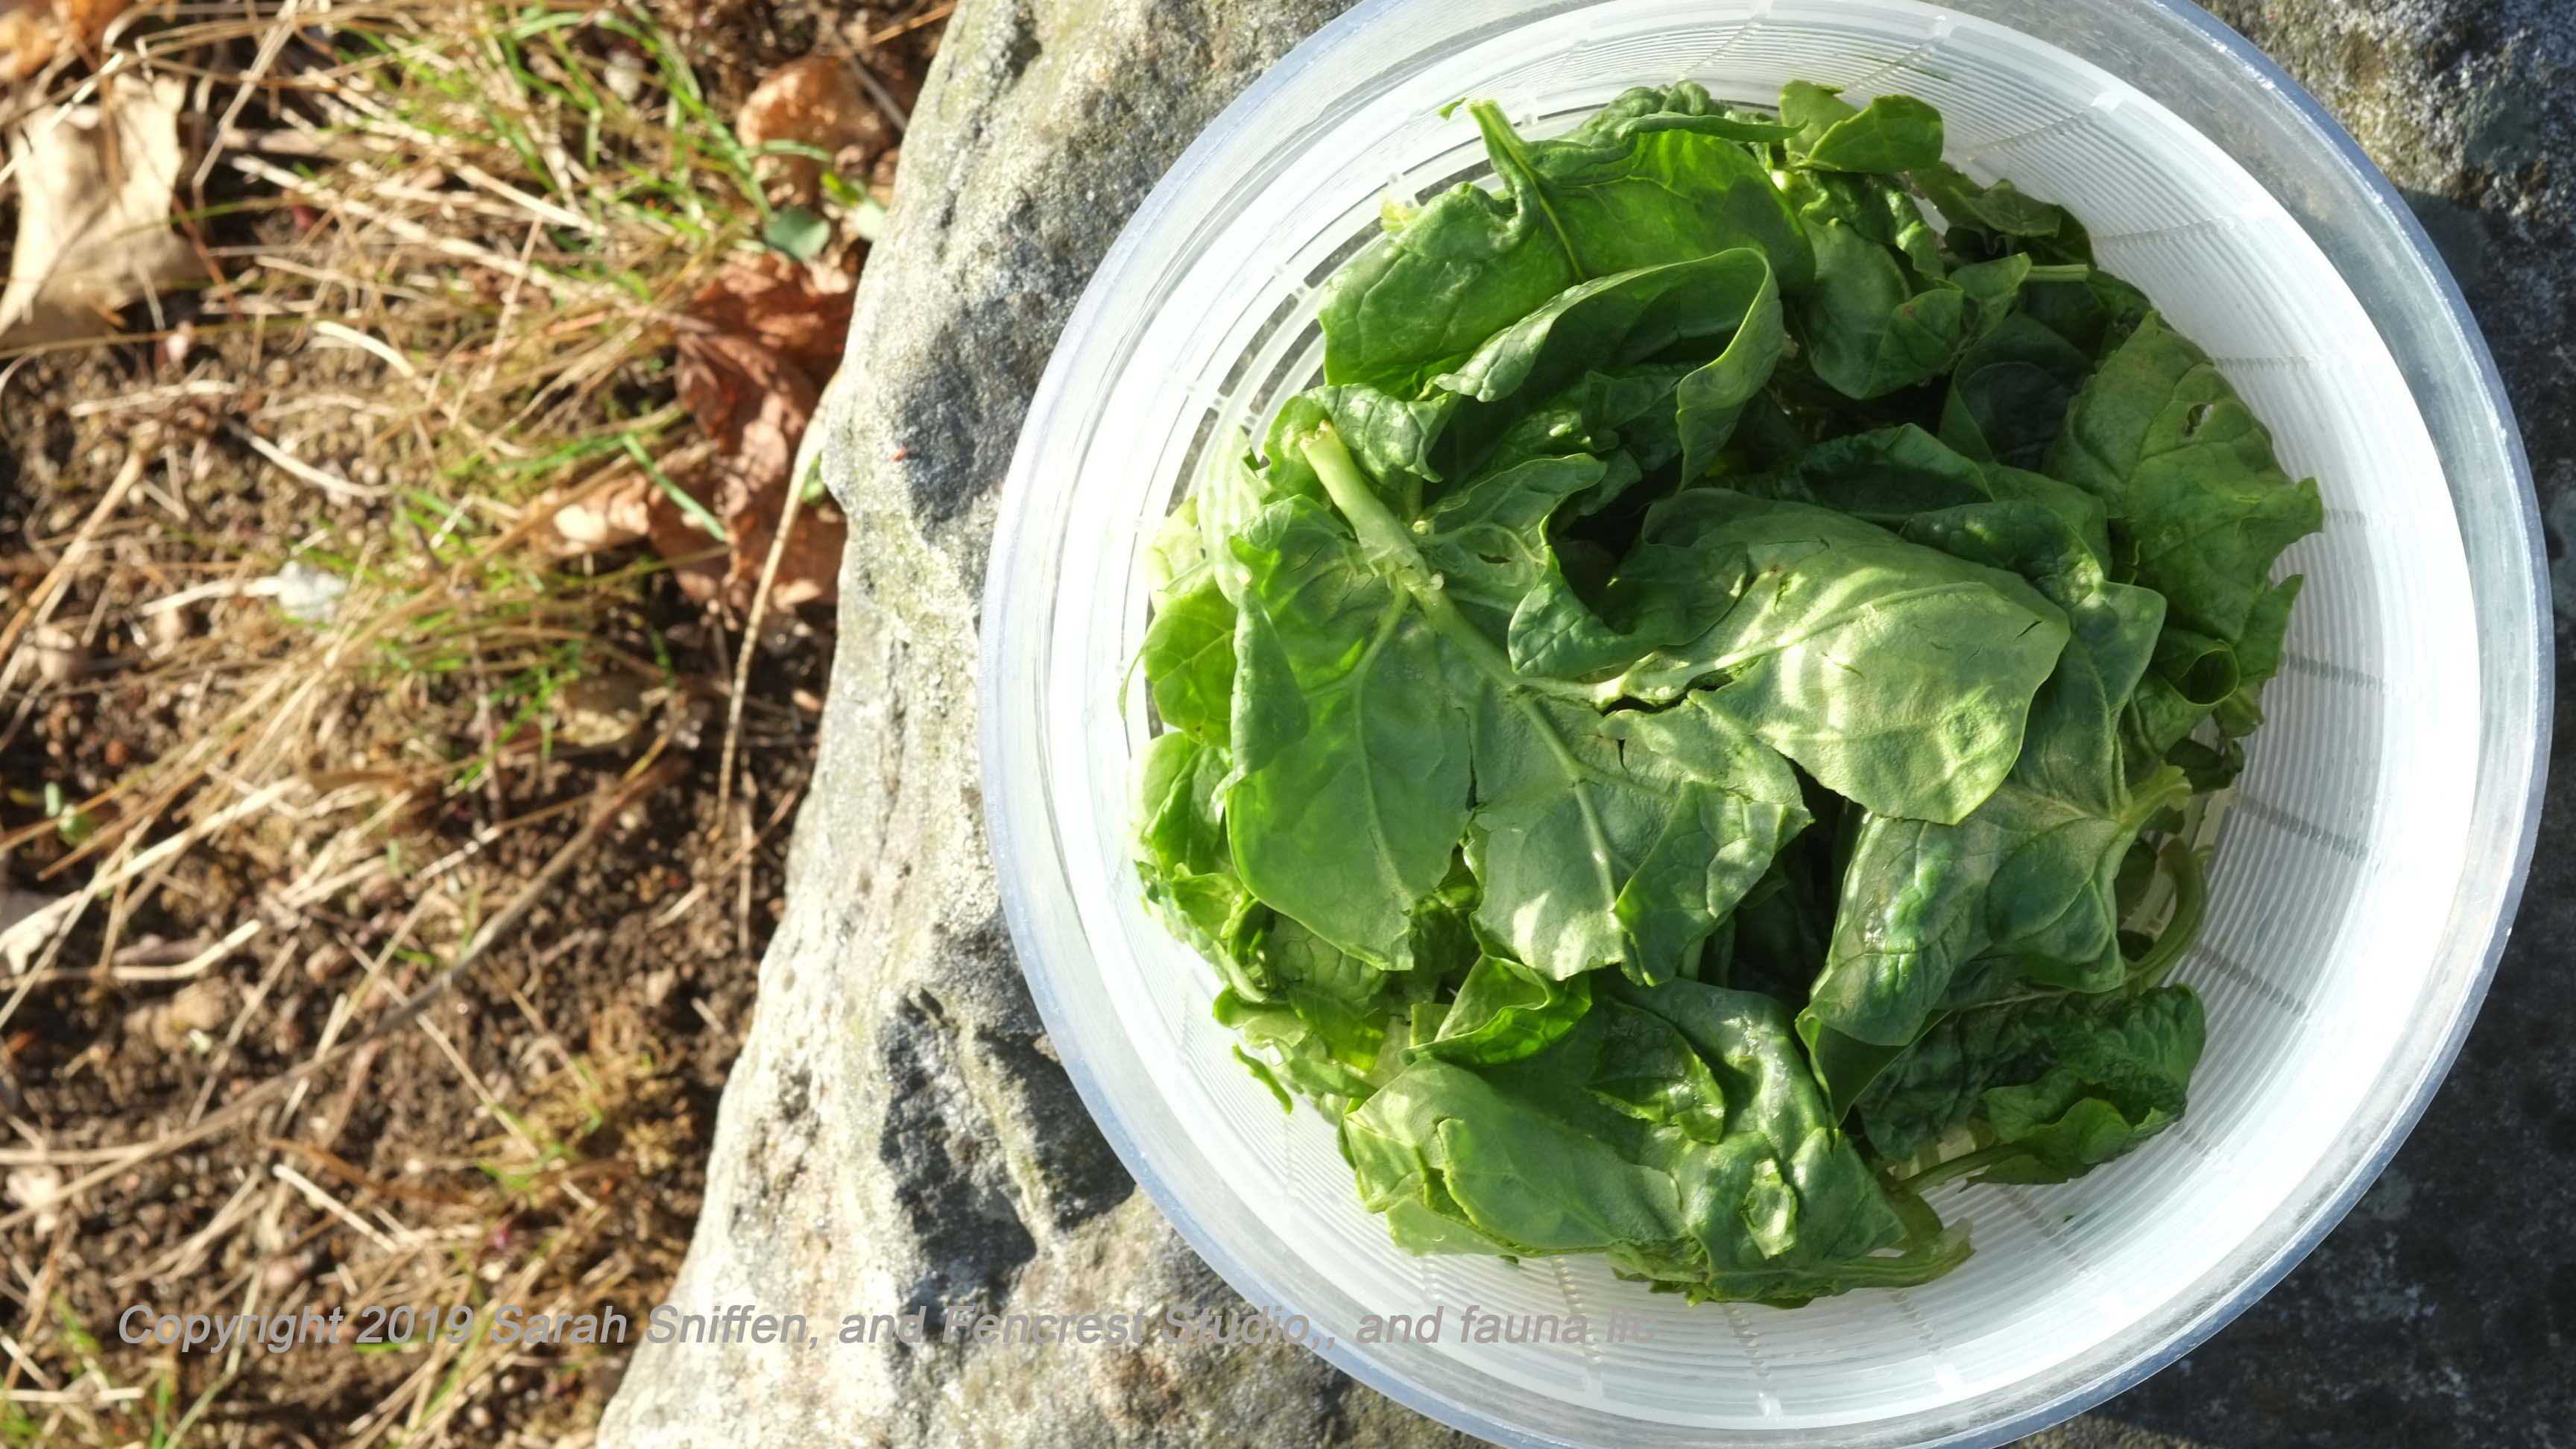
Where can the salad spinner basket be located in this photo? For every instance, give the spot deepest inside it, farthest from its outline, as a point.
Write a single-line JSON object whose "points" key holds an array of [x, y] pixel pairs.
{"points": [[2368, 865]]}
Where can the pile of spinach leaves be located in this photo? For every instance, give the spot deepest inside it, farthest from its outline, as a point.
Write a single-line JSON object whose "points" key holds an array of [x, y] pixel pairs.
{"points": [[1661, 745]]}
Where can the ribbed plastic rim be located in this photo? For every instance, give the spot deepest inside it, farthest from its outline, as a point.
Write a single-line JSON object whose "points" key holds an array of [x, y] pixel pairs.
{"points": [[1982, 1422]]}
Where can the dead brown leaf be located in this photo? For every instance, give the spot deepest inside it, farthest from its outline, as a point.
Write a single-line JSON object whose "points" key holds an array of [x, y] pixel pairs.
{"points": [[618, 514], [799, 311], [32, 32], [809, 572], [94, 212], [753, 402], [816, 101], [697, 559], [756, 405]]}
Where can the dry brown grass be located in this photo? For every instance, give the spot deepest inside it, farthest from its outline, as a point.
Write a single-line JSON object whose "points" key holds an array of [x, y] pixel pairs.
{"points": [[298, 728]]}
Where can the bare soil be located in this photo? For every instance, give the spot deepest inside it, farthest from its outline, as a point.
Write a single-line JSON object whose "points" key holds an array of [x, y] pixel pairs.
{"points": [[539, 1137]]}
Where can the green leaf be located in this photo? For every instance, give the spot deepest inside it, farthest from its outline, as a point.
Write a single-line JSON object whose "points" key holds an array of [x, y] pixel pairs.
{"points": [[1320, 1019], [2095, 312], [1489, 539], [1654, 187], [1988, 221], [1938, 1082], [1709, 400], [1898, 676], [2258, 657], [1892, 134], [1622, 838], [1420, 299], [1674, 1129], [1866, 333], [2033, 871], [1352, 823], [1624, 317], [798, 232], [2189, 477], [2008, 399], [1189, 661], [1660, 597], [1505, 1011], [1638, 189]]}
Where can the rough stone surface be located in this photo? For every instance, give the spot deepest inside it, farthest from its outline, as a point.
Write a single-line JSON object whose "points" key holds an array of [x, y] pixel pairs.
{"points": [[897, 1131], [2443, 1311]]}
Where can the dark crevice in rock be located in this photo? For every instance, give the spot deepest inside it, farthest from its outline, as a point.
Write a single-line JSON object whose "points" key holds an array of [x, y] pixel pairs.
{"points": [[1080, 1177], [945, 1176]]}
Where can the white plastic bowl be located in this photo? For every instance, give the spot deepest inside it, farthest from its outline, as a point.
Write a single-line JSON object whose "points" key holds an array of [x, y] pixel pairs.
{"points": [[2366, 873]]}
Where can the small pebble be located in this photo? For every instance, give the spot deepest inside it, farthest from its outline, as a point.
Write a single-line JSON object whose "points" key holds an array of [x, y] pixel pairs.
{"points": [[60, 658], [172, 628], [202, 1005], [326, 963]]}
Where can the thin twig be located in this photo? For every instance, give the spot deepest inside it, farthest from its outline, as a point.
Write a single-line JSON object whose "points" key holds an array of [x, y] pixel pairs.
{"points": [[787, 512], [884, 98], [340, 489], [931, 16]]}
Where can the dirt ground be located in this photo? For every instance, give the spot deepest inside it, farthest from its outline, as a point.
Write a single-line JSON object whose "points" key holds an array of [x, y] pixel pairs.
{"points": [[384, 878]]}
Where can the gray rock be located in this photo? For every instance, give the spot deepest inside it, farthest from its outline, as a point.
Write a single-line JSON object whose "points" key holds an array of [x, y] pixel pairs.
{"points": [[2443, 1311], [897, 1133]]}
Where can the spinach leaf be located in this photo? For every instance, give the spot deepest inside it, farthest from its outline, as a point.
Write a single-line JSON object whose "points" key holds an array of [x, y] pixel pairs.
{"points": [[1652, 188], [1349, 825], [1866, 333], [2094, 311], [2189, 477], [1320, 1020], [2008, 399], [2258, 657], [2032, 873], [1176, 557], [1619, 839], [1991, 221], [1489, 540], [1189, 661], [1625, 414], [1182, 856], [1894, 133], [1503, 1011], [1674, 1129], [2190, 675], [1629, 317], [1423, 297], [1897, 675], [2061, 1087], [1939, 1082], [1709, 400], [1892, 475], [1876, 207], [1643, 188], [1659, 597]]}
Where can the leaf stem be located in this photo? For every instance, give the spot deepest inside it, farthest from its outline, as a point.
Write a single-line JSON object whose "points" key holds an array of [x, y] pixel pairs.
{"points": [[1377, 526], [1522, 177], [2191, 911], [1932, 1247], [1381, 534], [1964, 1165]]}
